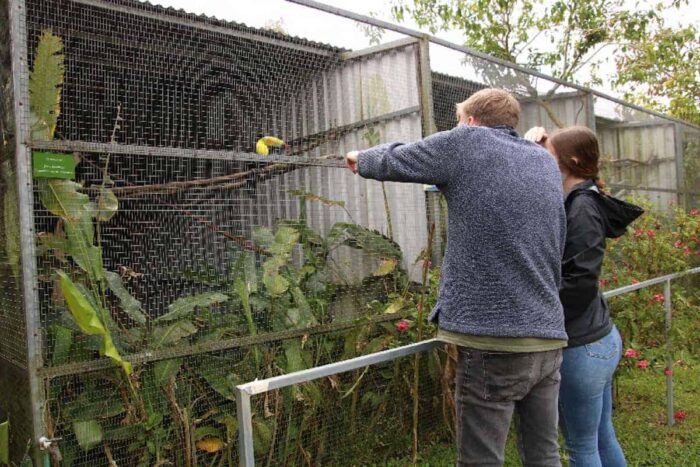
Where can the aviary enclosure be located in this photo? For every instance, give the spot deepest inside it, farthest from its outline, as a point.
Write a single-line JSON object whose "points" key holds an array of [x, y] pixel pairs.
{"points": [[177, 220]]}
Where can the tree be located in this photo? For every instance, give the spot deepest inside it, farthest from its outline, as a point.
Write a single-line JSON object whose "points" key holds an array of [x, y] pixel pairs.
{"points": [[556, 37], [662, 71]]}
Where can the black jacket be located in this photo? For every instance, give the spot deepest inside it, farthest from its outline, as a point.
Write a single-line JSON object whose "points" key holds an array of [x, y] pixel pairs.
{"points": [[590, 218]]}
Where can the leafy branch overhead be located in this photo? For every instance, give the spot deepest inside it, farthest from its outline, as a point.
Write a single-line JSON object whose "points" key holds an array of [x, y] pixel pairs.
{"points": [[573, 41]]}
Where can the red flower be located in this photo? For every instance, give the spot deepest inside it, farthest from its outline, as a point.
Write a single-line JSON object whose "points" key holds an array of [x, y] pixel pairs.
{"points": [[631, 353], [694, 238], [635, 281], [694, 212], [430, 264], [668, 372], [679, 415], [658, 297], [402, 326], [602, 282], [686, 251], [678, 244], [643, 364], [638, 232], [651, 233]]}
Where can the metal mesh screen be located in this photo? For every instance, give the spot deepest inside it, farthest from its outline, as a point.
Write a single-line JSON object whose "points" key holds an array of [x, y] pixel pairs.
{"points": [[366, 417], [182, 241]]}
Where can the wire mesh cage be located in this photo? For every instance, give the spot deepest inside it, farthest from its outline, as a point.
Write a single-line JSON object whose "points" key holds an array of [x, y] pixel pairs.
{"points": [[177, 220]]}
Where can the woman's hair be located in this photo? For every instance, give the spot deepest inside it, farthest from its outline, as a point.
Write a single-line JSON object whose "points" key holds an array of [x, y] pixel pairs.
{"points": [[578, 151]]}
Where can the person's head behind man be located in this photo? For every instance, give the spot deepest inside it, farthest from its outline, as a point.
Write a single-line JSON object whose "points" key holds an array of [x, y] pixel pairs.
{"points": [[489, 107]]}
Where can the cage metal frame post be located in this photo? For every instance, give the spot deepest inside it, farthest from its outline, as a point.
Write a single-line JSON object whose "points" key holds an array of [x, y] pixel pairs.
{"points": [[678, 135], [25, 198], [245, 391], [669, 358]]}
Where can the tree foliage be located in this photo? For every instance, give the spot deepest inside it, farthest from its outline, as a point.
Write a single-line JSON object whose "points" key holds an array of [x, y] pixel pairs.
{"points": [[662, 71], [564, 38]]}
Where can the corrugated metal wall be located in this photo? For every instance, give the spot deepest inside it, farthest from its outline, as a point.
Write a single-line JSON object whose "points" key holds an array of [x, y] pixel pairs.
{"points": [[641, 155], [568, 108], [362, 88]]}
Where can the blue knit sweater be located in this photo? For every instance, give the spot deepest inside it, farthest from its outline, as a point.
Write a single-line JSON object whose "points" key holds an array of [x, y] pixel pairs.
{"points": [[506, 227]]}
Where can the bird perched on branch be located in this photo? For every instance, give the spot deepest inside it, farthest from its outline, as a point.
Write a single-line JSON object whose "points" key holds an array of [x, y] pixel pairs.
{"points": [[263, 145]]}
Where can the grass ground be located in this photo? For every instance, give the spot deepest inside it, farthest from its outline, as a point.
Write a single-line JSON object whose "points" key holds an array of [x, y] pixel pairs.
{"points": [[640, 421]]}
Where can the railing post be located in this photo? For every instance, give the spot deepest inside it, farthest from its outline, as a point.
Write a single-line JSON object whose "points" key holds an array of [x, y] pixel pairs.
{"points": [[245, 429], [669, 355]]}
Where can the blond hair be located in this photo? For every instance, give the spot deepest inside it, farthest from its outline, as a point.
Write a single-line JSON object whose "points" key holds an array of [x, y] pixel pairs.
{"points": [[490, 107]]}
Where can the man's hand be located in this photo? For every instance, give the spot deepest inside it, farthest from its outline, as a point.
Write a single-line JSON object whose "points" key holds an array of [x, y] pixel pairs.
{"points": [[536, 134], [351, 161]]}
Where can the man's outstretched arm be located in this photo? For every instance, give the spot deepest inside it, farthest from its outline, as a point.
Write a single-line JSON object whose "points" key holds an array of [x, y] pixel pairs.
{"points": [[429, 161]]}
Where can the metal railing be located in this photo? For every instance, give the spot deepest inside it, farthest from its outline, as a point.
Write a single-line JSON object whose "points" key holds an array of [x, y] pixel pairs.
{"points": [[245, 391]]}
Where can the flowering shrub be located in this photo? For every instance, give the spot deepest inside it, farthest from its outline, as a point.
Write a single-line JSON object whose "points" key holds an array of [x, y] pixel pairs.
{"points": [[655, 244]]}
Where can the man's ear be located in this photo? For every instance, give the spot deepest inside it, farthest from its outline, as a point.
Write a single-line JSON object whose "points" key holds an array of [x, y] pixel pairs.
{"points": [[471, 121]]}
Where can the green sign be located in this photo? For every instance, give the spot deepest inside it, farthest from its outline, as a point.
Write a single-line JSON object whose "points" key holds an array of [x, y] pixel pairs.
{"points": [[53, 165]]}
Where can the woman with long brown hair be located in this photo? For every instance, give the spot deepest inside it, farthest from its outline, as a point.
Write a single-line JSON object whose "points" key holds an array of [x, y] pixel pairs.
{"points": [[594, 346]]}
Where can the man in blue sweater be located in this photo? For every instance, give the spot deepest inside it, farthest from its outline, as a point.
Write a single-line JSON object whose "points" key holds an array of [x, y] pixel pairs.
{"points": [[499, 291]]}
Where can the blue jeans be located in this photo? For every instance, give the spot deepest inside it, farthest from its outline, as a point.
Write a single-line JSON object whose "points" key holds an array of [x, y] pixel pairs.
{"points": [[585, 403]]}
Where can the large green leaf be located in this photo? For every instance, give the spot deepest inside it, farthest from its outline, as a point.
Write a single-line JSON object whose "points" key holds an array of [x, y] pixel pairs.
{"points": [[262, 436], [123, 432], [262, 236], [387, 266], [221, 382], [303, 317], [292, 353], [107, 204], [172, 333], [62, 199], [130, 305], [88, 433], [184, 306], [86, 317], [166, 369], [285, 240], [45, 81], [108, 349], [81, 309], [357, 236], [86, 409], [62, 341], [244, 295], [275, 284]]}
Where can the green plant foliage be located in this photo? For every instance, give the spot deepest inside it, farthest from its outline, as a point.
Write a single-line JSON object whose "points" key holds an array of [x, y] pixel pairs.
{"points": [[184, 307], [107, 204], [87, 318], [45, 81], [172, 333], [129, 304], [656, 244], [166, 369], [88, 433]]}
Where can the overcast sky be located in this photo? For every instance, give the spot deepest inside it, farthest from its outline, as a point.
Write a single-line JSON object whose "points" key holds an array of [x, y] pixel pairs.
{"points": [[323, 27]]}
